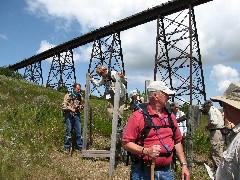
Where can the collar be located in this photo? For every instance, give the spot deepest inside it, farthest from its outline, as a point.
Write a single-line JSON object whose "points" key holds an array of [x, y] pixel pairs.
{"points": [[74, 94], [154, 113], [236, 129]]}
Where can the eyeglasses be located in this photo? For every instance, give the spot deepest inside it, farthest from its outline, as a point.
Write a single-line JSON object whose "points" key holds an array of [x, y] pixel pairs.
{"points": [[165, 94]]}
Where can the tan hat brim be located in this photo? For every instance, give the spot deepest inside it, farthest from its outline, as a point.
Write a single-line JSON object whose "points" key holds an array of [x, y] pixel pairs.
{"points": [[231, 102]]}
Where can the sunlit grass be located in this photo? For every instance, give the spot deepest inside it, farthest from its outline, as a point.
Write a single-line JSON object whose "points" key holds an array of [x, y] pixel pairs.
{"points": [[32, 128]]}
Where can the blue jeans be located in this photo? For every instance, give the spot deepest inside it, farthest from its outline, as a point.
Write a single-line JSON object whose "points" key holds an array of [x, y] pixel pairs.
{"points": [[69, 119], [163, 173]]}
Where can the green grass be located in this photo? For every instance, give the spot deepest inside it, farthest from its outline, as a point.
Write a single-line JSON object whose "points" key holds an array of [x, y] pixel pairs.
{"points": [[32, 128]]}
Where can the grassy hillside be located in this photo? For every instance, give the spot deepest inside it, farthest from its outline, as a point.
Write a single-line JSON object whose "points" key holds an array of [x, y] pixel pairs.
{"points": [[32, 133]]}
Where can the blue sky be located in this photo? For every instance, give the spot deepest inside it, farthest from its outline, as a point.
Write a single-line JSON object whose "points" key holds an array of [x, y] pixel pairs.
{"points": [[32, 26]]}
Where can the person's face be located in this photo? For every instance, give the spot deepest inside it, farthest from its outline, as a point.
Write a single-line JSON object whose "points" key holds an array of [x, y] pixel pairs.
{"points": [[207, 108], [134, 97], [162, 98], [176, 108], [104, 73], [77, 89], [231, 113]]}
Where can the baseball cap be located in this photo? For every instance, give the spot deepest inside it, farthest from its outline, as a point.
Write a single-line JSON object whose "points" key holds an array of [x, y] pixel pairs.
{"points": [[133, 93], [159, 86], [207, 102], [231, 96]]}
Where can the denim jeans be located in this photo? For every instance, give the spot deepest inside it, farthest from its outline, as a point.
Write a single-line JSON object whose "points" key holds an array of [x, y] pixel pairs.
{"points": [[164, 173], [69, 119]]}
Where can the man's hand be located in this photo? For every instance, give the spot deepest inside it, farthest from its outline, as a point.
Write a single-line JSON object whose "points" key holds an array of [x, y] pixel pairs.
{"points": [[120, 74], [153, 151], [81, 106], [185, 173]]}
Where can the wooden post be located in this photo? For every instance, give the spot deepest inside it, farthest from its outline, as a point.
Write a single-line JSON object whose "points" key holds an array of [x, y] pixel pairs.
{"points": [[194, 117], [86, 111], [152, 168], [147, 82], [90, 131], [114, 125]]}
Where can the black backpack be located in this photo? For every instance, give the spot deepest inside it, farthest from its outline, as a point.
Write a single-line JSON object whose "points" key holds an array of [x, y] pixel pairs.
{"points": [[145, 131]]}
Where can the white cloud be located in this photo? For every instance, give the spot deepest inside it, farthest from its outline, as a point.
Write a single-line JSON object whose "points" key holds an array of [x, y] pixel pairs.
{"points": [[90, 14], [218, 35], [45, 45], [222, 76], [218, 24]]}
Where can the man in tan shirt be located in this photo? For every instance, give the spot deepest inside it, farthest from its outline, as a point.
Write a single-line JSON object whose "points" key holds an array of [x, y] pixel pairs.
{"points": [[215, 123], [71, 106]]}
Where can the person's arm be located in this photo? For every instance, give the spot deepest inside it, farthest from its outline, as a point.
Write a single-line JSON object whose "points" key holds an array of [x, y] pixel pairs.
{"points": [[181, 157], [152, 151], [97, 83], [181, 119]]}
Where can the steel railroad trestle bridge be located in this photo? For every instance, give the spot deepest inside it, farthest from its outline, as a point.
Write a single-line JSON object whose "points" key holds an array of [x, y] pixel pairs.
{"points": [[177, 51], [177, 58]]}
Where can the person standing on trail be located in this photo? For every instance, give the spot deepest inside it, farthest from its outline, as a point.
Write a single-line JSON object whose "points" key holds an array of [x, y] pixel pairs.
{"points": [[214, 126], [71, 106], [229, 168], [181, 118], [135, 100], [151, 134], [108, 79]]}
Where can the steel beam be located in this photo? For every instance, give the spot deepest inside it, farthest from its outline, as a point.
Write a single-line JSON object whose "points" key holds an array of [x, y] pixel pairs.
{"points": [[121, 25]]}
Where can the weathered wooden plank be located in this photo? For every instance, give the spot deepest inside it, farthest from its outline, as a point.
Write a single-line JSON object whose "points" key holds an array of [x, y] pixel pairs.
{"points": [[86, 106], [96, 153], [114, 125]]}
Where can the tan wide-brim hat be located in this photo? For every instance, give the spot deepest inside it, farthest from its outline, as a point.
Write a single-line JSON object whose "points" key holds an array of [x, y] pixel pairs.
{"points": [[231, 96]]}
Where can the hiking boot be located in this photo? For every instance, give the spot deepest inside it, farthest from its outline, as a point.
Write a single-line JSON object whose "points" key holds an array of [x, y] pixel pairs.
{"points": [[66, 151]]}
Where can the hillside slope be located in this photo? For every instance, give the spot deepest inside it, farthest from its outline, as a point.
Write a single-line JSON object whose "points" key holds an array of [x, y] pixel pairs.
{"points": [[32, 133]]}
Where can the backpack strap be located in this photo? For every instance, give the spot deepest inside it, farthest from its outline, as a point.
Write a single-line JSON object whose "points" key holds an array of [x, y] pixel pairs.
{"points": [[170, 121], [148, 126]]}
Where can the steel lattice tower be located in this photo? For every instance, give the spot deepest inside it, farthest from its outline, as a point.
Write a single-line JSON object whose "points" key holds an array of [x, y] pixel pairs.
{"points": [[62, 71], [107, 52], [178, 59], [33, 73]]}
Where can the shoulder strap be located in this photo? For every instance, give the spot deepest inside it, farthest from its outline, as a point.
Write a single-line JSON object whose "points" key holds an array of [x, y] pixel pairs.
{"points": [[171, 124], [147, 123]]}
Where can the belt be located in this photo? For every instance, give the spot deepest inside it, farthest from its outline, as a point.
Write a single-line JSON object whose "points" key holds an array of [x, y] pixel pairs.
{"points": [[157, 168], [165, 154], [215, 129], [135, 160]]}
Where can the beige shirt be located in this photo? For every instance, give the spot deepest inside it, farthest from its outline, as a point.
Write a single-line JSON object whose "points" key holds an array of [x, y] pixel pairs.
{"points": [[70, 101], [215, 118], [112, 85], [229, 168]]}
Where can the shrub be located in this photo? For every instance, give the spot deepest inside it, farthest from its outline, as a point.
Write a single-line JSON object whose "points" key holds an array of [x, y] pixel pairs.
{"points": [[10, 73]]}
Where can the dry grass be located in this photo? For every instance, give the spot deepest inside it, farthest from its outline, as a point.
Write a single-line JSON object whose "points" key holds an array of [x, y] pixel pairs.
{"points": [[64, 166]]}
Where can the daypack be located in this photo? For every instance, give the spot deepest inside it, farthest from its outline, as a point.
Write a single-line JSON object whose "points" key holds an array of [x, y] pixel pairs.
{"points": [[147, 127]]}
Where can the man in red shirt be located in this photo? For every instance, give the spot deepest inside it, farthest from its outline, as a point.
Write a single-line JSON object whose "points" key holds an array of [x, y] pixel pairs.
{"points": [[160, 141]]}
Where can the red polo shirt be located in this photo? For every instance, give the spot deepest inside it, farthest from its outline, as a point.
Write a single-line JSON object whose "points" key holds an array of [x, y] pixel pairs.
{"points": [[162, 136]]}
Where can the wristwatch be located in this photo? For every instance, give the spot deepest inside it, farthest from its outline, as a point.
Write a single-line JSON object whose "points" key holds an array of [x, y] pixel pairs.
{"points": [[184, 164]]}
